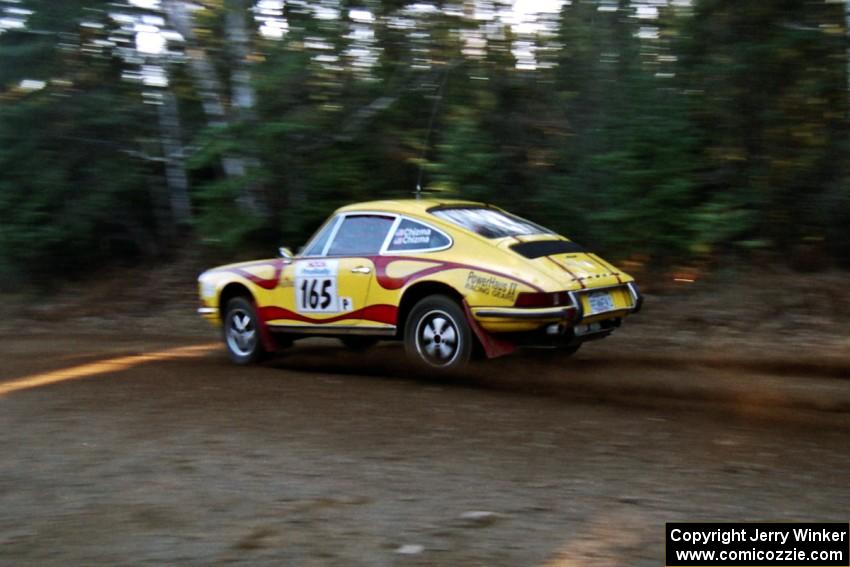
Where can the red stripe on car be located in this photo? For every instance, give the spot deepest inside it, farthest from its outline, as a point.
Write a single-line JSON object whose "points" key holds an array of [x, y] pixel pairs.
{"points": [[390, 283], [566, 269]]}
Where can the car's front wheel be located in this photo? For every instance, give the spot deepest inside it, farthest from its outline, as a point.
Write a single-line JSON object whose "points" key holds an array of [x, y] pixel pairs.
{"points": [[241, 331], [437, 334]]}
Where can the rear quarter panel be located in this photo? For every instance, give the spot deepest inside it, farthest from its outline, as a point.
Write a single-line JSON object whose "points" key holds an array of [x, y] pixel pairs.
{"points": [[483, 274]]}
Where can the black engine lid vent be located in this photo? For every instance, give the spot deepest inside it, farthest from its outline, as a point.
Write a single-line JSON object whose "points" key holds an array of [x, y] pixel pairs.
{"points": [[540, 248]]}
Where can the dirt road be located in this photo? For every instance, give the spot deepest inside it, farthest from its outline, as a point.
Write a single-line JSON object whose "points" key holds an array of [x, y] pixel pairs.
{"points": [[136, 454]]}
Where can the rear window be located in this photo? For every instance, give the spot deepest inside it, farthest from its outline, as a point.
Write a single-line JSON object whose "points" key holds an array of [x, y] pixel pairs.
{"points": [[489, 223]]}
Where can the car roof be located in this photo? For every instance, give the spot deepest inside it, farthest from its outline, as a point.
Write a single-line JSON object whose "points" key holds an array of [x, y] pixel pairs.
{"points": [[411, 206]]}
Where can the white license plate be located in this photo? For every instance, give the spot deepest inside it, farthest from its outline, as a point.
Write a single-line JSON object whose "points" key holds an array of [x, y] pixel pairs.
{"points": [[600, 302]]}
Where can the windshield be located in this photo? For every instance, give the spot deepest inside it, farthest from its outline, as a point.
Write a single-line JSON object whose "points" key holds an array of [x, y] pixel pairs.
{"points": [[489, 223]]}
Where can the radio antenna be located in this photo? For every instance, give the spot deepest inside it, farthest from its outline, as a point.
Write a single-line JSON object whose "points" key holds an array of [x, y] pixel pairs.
{"points": [[437, 99]]}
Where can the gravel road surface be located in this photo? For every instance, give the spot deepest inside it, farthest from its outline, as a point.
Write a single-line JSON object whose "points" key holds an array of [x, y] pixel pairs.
{"points": [[155, 450]]}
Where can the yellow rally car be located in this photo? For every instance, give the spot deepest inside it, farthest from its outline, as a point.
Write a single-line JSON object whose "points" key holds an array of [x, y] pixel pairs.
{"points": [[447, 277]]}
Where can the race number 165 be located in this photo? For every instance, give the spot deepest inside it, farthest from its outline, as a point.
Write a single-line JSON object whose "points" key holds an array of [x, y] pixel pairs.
{"points": [[316, 294]]}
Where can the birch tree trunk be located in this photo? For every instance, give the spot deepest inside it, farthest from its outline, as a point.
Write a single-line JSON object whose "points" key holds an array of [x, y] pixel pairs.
{"points": [[175, 169], [212, 94], [847, 31], [242, 91], [242, 95]]}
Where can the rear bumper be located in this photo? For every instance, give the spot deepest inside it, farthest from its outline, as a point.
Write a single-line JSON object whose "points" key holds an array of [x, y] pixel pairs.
{"points": [[525, 314], [636, 295], [524, 319]]}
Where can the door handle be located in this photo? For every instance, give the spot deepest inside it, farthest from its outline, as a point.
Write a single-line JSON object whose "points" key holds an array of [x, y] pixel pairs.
{"points": [[361, 270]]}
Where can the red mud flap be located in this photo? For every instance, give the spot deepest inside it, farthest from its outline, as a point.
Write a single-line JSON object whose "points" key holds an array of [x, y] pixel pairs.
{"points": [[493, 347], [269, 342]]}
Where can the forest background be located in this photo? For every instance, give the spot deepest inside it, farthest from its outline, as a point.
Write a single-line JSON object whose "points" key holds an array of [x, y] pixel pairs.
{"points": [[658, 132]]}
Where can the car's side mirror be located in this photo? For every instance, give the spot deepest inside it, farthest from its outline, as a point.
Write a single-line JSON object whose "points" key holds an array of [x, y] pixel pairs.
{"points": [[285, 253]]}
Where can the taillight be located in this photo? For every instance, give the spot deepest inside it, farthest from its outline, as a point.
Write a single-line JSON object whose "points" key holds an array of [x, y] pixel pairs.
{"points": [[542, 299]]}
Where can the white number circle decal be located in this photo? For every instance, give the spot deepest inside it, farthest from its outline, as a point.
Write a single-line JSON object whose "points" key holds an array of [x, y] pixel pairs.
{"points": [[315, 286]]}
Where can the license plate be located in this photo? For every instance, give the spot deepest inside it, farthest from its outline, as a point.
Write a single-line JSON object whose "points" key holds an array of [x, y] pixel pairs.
{"points": [[600, 302]]}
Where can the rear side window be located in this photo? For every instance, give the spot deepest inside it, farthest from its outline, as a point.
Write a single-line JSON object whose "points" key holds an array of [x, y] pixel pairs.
{"points": [[489, 223], [411, 236], [360, 235]]}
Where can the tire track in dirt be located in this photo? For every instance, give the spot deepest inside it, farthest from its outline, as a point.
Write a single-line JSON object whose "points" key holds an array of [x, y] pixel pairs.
{"points": [[767, 388], [99, 367]]}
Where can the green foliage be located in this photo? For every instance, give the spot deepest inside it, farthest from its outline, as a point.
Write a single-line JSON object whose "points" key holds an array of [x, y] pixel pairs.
{"points": [[769, 84], [60, 211], [72, 196], [726, 131], [226, 226], [470, 164]]}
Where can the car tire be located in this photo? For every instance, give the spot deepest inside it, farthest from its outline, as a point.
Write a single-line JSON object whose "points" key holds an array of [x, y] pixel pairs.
{"points": [[437, 334], [241, 332], [358, 343]]}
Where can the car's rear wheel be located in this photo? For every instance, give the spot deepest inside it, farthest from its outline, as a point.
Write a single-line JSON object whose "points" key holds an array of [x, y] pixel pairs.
{"points": [[437, 334], [241, 331]]}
